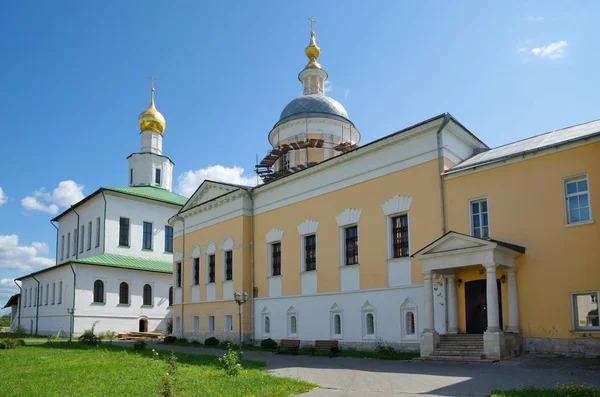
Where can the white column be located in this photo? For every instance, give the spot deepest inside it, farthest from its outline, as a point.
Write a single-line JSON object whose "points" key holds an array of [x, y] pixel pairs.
{"points": [[493, 315], [452, 305], [428, 285], [513, 304]]}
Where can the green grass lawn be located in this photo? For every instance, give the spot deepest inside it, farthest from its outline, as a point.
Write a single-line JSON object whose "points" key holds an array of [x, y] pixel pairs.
{"points": [[561, 390], [27, 336], [61, 369]]}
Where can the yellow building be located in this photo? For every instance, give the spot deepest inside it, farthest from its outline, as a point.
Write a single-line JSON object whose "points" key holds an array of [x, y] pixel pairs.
{"points": [[425, 239]]}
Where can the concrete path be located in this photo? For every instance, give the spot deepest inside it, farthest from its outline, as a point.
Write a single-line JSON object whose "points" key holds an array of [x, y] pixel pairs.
{"points": [[353, 377]]}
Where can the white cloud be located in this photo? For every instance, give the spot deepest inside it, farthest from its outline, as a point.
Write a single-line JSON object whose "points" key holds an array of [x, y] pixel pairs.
{"points": [[328, 86], [3, 197], [7, 289], [535, 19], [346, 93], [22, 257], [551, 51], [188, 182], [64, 195]]}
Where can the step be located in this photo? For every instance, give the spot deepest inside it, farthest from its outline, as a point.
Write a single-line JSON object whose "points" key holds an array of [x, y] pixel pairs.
{"points": [[465, 359], [446, 343], [446, 352]]}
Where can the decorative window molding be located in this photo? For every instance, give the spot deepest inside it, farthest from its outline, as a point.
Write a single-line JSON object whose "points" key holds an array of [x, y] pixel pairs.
{"points": [[292, 322], [177, 257], [227, 253], [401, 232], [274, 235], [308, 227], [396, 205], [479, 218], [369, 324], [227, 244], [210, 248], [348, 217], [408, 320], [266, 321], [335, 316], [195, 252], [273, 249]]}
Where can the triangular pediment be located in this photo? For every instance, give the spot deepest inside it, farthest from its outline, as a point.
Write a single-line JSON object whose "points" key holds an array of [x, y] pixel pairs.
{"points": [[452, 242], [207, 191]]}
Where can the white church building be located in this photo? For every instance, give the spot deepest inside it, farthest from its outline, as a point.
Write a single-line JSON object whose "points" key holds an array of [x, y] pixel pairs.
{"points": [[114, 252]]}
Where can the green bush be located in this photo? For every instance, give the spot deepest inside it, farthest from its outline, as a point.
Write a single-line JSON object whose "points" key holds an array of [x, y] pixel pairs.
{"points": [[10, 343], [211, 342], [89, 337], [385, 351], [196, 343], [182, 341], [268, 344], [170, 339], [139, 345], [230, 362]]}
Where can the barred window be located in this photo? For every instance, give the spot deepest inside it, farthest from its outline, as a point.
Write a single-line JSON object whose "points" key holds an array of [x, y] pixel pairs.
{"points": [[196, 271], [276, 259], [211, 268], [228, 265], [352, 245], [310, 252], [400, 236]]}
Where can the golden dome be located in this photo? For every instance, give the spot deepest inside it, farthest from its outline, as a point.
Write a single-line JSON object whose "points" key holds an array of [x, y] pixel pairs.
{"points": [[151, 119], [312, 53]]}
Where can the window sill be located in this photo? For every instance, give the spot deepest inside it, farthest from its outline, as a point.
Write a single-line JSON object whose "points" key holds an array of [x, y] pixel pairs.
{"points": [[210, 282], [124, 304], [590, 222], [400, 259], [293, 336], [196, 285], [352, 265], [122, 246], [147, 306], [369, 337], [98, 303], [227, 281], [589, 331], [168, 252], [147, 249], [308, 270], [277, 276]]}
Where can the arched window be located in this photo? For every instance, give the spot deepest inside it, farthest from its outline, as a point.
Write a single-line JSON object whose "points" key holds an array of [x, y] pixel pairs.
{"points": [[170, 296], [123, 293], [337, 324], [147, 295], [293, 324], [267, 325], [370, 324], [410, 323], [98, 291]]}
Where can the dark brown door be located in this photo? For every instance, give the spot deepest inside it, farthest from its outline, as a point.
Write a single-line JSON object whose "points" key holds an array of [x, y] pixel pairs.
{"points": [[476, 306], [143, 327]]}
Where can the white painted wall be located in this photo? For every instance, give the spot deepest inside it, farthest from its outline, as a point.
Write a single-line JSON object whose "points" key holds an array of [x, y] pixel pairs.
{"points": [[144, 164]]}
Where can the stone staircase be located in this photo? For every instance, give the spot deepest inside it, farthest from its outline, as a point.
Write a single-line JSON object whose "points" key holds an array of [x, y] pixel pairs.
{"points": [[459, 347]]}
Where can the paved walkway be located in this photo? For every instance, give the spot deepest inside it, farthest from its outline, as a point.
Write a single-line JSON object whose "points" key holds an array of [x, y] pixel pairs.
{"points": [[353, 377]]}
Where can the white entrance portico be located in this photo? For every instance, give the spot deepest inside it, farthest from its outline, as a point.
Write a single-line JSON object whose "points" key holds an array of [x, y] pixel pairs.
{"points": [[453, 251]]}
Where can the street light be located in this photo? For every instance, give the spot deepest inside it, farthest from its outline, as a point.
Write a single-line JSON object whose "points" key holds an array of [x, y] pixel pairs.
{"points": [[71, 322], [240, 299]]}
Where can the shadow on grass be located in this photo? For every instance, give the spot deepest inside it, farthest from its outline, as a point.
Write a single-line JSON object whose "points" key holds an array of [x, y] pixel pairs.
{"points": [[183, 358]]}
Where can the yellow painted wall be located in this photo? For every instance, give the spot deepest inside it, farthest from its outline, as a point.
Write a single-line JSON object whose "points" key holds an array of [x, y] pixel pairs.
{"points": [[217, 309], [419, 182], [526, 207]]}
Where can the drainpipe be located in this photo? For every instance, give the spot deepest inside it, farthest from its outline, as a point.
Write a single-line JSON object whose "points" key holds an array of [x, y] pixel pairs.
{"points": [[179, 218], [19, 304], [104, 223], [78, 236], [72, 313], [252, 319], [440, 146], [37, 304], [56, 227]]}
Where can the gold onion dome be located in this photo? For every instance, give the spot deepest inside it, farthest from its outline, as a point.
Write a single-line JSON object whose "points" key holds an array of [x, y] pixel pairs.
{"points": [[312, 53], [151, 119]]}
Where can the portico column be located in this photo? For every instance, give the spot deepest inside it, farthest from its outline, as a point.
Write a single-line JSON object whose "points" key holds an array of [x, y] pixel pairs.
{"points": [[452, 305], [493, 316], [428, 285], [513, 304]]}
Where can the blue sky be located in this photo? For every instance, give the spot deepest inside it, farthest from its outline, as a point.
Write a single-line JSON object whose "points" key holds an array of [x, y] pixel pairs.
{"points": [[74, 77]]}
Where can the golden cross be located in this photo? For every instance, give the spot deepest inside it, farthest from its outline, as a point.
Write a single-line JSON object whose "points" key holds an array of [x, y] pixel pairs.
{"points": [[152, 78], [312, 24]]}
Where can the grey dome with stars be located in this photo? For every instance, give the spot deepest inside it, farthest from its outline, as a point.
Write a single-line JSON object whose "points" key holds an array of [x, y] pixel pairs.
{"points": [[314, 105]]}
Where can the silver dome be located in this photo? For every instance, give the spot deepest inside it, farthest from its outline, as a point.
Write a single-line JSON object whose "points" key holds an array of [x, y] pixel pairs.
{"points": [[314, 105]]}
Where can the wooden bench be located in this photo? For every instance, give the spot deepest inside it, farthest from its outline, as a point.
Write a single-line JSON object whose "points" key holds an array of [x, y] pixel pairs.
{"points": [[289, 344], [331, 345]]}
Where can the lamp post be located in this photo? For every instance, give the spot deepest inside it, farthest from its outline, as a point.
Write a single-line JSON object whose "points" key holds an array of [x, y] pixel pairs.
{"points": [[240, 299], [72, 317]]}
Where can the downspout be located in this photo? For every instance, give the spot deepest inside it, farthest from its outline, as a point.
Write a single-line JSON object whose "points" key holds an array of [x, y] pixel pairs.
{"points": [[72, 314], [252, 319], [104, 223], [440, 161], [37, 304], [19, 304], [179, 218], [56, 227]]}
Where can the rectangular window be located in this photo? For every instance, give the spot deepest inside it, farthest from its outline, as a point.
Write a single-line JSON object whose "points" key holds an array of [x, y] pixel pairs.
{"points": [[310, 252], [479, 219], [196, 271], [131, 177], [178, 275], [81, 238], [53, 293], [75, 240], [147, 236], [227, 323], [89, 235], [157, 176], [62, 247], [228, 265], [195, 324], [285, 161], [276, 259], [352, 245], [47, 293], [211, 324], [577, 199], [585, 311], [25, 299], [68, 244], [124, 232], [400, 236], [168, 239], [211, 268], [60, 292], [40, 296], [97, 232]]}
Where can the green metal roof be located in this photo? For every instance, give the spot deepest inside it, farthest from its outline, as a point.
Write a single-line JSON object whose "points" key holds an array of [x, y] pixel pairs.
{"points": [[127, 262], [152, 193]]}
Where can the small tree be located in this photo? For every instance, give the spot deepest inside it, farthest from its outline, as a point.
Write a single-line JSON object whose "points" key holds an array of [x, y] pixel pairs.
{"points": [[89, 337]]}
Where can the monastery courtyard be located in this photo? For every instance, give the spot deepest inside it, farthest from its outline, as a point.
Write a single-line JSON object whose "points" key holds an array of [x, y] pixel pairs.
{"points": [[354, 377]]}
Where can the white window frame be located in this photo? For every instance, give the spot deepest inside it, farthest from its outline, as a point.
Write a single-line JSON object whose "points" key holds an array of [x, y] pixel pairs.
{"points": [[47, 294], [270, 259], [128, 232], [151, 236], [292, 313], [574, 314], [566, 196], [409, 307], [343, 244], [396, 206], [227, 324], [226, 246], [478, 200], [68, 245], [336, 311], [390, 237], [194, 258], [154, 177], [210, 324], [75, 241], [97, 232], [305, 229], [303, 253], [264, 315], [368, 309], [196, 324], [54, 292], [210, 249], [274, 236]]}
